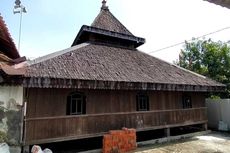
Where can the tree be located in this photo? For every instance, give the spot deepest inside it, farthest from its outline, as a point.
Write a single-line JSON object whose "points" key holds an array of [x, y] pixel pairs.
{"points": [[208, 58]]}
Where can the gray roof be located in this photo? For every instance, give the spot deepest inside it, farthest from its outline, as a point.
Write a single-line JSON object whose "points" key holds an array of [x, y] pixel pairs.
{"points": [[107, 21], [106, 63], [103, 65], [224, 3]]}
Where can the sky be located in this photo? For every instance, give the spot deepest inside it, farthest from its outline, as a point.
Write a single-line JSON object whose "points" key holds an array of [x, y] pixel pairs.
{"points": [[52, 25]]}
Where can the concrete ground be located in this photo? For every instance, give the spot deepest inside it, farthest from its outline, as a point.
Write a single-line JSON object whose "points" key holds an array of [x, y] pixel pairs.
{"points": [[214, 142]]}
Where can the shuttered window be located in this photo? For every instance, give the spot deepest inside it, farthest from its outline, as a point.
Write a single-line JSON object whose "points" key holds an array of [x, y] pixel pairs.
{"points": [[76, 104], [142, 102], [187, 102]]}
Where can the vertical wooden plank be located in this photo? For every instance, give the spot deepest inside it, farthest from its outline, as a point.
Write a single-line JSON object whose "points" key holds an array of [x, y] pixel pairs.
{"points": [[112, 101]]}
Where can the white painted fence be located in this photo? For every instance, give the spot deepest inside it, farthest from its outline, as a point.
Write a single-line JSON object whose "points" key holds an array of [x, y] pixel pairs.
{"points": [[218, 110]]}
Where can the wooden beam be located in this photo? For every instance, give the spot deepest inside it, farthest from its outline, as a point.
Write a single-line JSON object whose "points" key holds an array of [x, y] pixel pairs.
{"points": [[120, 113], [61, 139], [84, 126], [114, 85]]}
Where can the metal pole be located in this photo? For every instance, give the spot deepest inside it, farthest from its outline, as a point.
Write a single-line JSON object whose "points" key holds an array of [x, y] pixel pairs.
{"points": [[20, 30], [18, 8]]}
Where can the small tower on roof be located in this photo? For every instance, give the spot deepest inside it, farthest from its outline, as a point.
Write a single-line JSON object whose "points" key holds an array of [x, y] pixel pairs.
{"points": [[107, 29], [104, 7]]}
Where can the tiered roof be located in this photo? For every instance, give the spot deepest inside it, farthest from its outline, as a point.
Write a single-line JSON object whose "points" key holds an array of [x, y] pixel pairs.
{"points": [[106, 28], [99, 59]]}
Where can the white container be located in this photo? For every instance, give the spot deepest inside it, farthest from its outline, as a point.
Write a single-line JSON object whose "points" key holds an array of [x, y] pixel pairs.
{"points": [[4, 148]]}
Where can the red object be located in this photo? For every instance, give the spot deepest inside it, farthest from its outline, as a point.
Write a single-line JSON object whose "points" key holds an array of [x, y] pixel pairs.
{"points": [[120, 141]]}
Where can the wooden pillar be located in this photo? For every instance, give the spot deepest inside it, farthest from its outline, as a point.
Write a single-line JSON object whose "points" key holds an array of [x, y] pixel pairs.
{"points": [[167, 132], [205, 126]]}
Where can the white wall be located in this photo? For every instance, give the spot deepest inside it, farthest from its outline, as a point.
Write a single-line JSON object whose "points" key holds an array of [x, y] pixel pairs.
{"points": [[218, 110], [11, 96], [11, 100]]}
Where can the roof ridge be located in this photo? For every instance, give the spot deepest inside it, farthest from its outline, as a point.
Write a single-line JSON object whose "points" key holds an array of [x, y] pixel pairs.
{"points": [[55, 54]]}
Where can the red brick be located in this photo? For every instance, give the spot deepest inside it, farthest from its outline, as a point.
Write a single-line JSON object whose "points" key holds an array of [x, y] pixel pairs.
{"points": [[120, 141]]}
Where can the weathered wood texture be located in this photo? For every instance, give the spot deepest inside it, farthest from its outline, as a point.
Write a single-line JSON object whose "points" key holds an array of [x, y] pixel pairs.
{"points": [[49, 129], [113, 85], [46, 119], [52, 102]]}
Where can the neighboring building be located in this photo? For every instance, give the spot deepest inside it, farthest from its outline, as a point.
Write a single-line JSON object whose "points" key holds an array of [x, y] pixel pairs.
{"points": [[11, 93], [103, 82], [7, 46], [224, 3]]}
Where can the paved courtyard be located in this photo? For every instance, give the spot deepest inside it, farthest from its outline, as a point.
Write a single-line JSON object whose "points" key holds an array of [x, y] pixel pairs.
{"points": [[214, 142]]}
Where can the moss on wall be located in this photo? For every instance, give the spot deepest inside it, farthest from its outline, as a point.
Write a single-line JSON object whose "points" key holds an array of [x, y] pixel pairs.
{"points": [[3, 137], [13, 123]]}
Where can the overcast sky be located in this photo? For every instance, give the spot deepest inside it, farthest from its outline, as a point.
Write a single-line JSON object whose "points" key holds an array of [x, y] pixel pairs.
{"points": [[52, 25]]}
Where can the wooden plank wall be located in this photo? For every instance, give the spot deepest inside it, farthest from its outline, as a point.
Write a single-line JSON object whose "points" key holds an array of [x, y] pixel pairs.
{"points": [[52, 102], [49, 129]]}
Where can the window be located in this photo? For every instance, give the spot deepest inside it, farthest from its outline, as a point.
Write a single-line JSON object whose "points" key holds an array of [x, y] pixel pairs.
{"points": [[76, 104], [187, 101], [142, 102]]}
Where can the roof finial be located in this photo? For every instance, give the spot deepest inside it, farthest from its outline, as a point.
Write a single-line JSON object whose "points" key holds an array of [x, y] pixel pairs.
{"points": [[104, 7]]}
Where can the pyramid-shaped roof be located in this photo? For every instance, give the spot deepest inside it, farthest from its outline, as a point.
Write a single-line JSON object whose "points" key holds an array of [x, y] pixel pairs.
{"points": [[107, 21], [7, 46], [106, 28], [96, 65]]}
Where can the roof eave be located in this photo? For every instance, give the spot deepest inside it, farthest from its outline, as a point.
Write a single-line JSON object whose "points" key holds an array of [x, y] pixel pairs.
{"points": [[138, 41], [7, 39], [224, 3], [11, 49], [46, 82]]}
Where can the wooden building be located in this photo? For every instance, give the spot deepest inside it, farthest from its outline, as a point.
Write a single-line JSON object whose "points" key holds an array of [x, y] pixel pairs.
{"points": [[9, 56], [104, 82], [7, 46], [11, 91]]}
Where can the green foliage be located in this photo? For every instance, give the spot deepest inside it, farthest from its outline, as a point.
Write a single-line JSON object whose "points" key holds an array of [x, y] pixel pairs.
{"points": [[3, 137], [208, 58], [214, 97]]}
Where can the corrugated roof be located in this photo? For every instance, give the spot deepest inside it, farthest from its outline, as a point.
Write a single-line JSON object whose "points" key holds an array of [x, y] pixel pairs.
{"points": [[106, 63]]}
